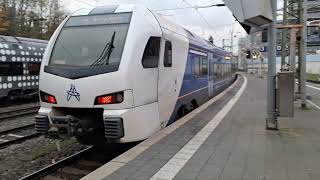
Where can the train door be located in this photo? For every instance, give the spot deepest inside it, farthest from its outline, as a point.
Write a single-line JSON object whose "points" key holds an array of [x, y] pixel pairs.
{"points": [[211, 75], [167, 83]]}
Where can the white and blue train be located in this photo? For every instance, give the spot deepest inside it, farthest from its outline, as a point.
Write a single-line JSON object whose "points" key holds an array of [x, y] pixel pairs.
{"points": [[118, 74]]}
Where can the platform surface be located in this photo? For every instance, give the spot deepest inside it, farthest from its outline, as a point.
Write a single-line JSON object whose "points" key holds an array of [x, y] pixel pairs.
{"points": [[238, 147]]}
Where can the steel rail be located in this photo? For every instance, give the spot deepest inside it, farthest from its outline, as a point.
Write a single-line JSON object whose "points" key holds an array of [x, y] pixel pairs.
{"points": [[4, 132], [18, 112], [60, 164], [15, 141], [8, 142]]}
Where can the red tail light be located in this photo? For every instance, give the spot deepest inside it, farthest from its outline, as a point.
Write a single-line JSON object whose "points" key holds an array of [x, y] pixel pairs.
{"points": [[47, 98], [114, 98], [104, 100], [51, 100]]}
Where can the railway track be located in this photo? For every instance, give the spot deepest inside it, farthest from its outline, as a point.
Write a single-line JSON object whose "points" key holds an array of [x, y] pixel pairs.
{"points": [[19, 111], [16, 135], [77, 165], [52, 171]]}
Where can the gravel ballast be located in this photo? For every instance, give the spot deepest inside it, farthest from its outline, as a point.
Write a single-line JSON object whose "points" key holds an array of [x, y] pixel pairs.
{"points": [[29, 156]]}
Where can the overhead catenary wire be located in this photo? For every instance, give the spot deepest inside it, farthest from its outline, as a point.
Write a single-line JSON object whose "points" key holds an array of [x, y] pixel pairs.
{"points": [[196, 8], [201, 16], [190, 7], [169, 9]]}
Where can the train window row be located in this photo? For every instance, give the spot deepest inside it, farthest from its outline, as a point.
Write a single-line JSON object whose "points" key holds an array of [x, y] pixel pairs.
{"points": [[200, 66], [9, 69], [13, 69], [221, 70]]}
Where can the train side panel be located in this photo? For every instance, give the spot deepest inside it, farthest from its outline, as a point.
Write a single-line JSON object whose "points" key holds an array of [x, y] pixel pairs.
{"points": [[204, 77], [171, 76]]}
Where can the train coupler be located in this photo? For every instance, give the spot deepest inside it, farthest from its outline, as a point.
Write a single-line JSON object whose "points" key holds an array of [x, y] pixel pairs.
{"points": [[63, 127]]}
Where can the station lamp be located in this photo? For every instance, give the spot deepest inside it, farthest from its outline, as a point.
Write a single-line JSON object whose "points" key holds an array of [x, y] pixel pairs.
{"points": [[227, 57]]}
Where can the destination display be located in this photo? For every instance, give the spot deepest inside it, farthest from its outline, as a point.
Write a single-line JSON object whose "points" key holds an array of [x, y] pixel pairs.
{"points": [[119, 18]]}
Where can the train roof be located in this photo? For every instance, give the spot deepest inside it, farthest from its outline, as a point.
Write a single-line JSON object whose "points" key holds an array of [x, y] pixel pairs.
{"points": [[193, 38], [13, 39], [164, 22], [201, 42]]}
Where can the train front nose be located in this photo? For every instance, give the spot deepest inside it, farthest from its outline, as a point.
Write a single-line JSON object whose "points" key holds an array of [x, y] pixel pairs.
{"points": [[73, 109]]}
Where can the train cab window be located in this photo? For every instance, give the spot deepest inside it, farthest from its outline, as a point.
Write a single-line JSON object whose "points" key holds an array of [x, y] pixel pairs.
{"points": [[34, 68], [168, 54], [150, 57], [11, 68]]}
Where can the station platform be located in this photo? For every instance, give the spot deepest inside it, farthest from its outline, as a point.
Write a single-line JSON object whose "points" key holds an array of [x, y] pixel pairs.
{"points": [[226, 139]]}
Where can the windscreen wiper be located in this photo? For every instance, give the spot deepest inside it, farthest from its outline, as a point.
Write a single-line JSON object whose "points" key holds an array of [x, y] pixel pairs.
{"points": [[105, 55]]}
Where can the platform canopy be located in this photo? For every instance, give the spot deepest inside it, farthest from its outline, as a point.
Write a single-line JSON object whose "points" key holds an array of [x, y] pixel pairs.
{"points": [[251, 13]]}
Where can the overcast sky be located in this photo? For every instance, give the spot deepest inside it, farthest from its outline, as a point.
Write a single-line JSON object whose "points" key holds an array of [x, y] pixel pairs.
{"points": [[215, 21]]}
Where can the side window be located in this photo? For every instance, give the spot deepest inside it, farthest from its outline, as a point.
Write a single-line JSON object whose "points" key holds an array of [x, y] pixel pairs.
{"points": [[34, 68], [227, 69], [200, 66], [11, 68], [150, 57], [215, 70], [223, 69], [196, 66], [168, 54], [219, 71], [204, 66]]}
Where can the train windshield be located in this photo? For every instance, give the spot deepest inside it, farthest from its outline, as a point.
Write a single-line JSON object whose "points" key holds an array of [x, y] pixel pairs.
{"points": [[94, 40]]}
